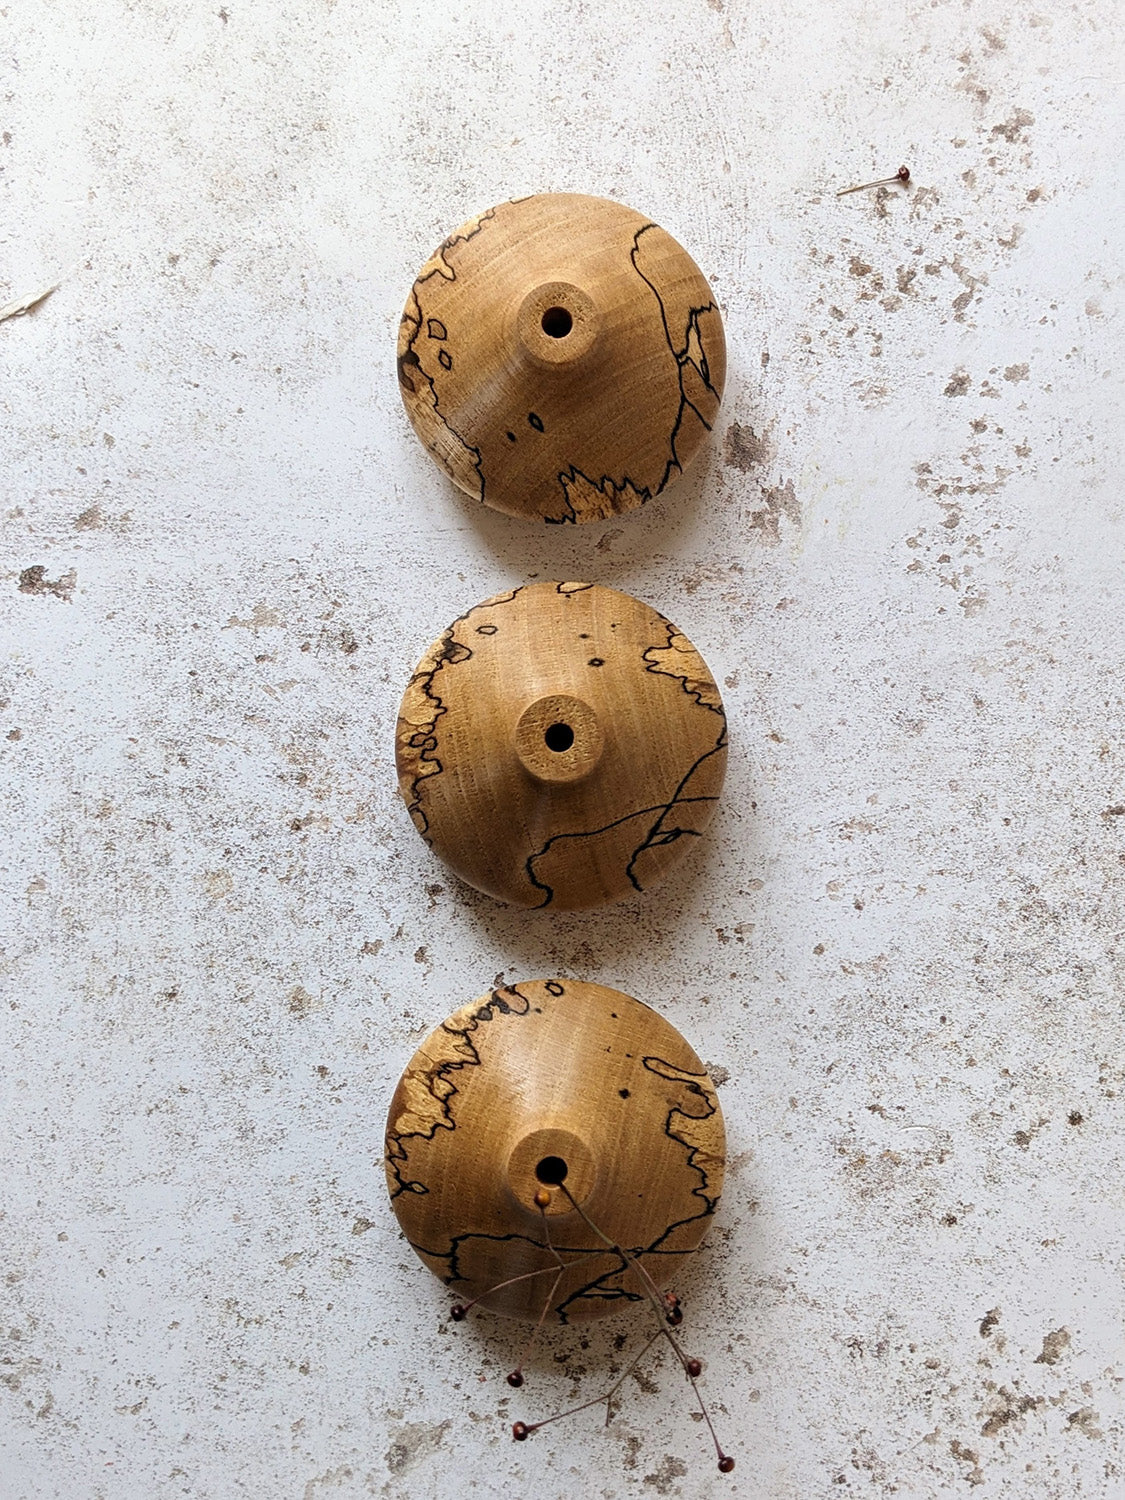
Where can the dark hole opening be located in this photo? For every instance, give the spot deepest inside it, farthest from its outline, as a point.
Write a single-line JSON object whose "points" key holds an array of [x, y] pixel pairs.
{"points": [[559, 737], [557, 322], [552, 1170]]}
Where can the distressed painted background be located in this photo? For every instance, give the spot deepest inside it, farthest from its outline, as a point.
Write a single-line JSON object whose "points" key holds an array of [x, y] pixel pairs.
{"points": [[223, 550]]}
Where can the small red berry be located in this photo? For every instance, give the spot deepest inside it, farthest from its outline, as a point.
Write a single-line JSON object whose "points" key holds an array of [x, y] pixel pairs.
{"points": [[675, 1316], [457, 1312], [515, 1379], [694, 1368], [519, 1431], [726, 1464]]}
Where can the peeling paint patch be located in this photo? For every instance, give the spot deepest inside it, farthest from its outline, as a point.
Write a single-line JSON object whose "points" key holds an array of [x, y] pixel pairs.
{"points": [[1085, 1421], [662, 1479], [34, 580], [413, 1442], [261, 618], [744, 450], [1013, 129], [780, 501], [1055, 1345]]}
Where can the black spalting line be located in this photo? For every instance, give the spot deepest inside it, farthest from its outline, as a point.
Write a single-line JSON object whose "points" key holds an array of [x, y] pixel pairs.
{"points": [[457, 238], [607, 485], [409, 364], [440, 1086], [589, 833], [659, 834], [703, 1091], [598, 1289], [680, 356], [452, 1255], [424, 738], [604, 486], [596, 1286], [660, 669]]}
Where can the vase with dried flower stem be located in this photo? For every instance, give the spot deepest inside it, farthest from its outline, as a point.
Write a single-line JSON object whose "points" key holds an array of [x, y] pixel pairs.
{"points": [[555, 1150]]}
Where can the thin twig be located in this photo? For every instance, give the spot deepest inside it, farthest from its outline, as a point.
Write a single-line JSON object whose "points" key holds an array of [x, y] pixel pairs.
{"points": [[606, 1396], [467, 1307]]}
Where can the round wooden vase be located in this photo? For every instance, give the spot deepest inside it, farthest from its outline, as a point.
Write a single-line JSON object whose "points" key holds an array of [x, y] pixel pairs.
{"points": [[554, 1081], [561, 357], [561, 745]]}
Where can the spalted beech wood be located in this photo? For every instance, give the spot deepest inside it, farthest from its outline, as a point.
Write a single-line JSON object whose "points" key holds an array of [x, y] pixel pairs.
{"points": [[561, 745], [561, 357], [540, 1083]]}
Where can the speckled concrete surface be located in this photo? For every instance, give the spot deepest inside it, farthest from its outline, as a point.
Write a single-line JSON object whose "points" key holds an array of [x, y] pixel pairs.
{"points": [[223, 550]]}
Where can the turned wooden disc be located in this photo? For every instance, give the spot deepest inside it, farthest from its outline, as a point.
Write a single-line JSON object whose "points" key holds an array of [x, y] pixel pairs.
{"points": [[548, 1079], [561, 745], [561, 357]]}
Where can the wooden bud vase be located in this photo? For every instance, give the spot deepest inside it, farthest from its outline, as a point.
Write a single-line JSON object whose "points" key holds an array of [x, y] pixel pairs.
{"points": [[547, 1082], [561, 357], [561, 745]]}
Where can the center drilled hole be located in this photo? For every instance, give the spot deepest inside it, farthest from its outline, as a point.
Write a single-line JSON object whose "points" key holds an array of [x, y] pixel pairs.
{"points": [[557, 322], [552, 1170], [559, 737]]}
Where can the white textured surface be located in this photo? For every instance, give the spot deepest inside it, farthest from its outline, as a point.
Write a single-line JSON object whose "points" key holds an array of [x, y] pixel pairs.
{"points": [[903, 555]]}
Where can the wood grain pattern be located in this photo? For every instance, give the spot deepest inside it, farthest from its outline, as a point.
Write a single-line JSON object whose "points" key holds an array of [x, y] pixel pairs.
{"points": [[561, 357], [561, 745], [554, 1068]]}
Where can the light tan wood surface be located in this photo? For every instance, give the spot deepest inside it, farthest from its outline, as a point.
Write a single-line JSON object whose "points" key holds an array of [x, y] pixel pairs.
{"points": [[561, 745], [561, 357], [531, 1076]]}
